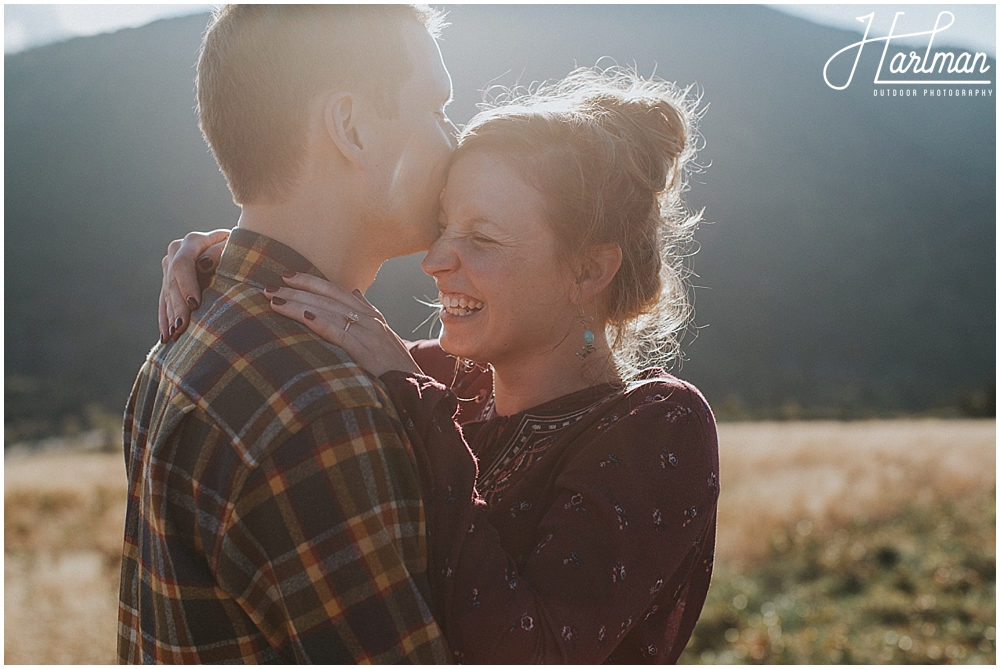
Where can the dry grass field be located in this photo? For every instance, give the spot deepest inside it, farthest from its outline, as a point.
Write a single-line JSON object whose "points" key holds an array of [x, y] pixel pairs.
{"points": [[63, 516], [855, 543], [830, 472], [802, 503]]}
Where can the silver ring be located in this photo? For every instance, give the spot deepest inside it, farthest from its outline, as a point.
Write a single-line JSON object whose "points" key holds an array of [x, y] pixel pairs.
{"points": [[352, 318]]}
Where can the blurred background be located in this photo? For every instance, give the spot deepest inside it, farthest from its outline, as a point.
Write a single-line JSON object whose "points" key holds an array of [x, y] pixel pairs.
{"points": [[845, 305]]}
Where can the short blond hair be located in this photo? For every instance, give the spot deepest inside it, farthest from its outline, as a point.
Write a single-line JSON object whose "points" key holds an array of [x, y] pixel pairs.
{"points": [[261, 65], [609, 152]]}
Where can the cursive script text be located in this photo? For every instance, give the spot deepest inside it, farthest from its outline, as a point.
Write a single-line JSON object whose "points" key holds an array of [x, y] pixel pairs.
{"points": [[942, 62]]}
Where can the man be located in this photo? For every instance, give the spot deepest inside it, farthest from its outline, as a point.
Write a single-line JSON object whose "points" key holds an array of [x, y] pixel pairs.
{"points": [[274, 511]]}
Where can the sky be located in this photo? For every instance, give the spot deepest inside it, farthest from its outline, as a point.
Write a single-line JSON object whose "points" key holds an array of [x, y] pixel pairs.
{"points": [[31, 25], [27, 26], [974, 27]]}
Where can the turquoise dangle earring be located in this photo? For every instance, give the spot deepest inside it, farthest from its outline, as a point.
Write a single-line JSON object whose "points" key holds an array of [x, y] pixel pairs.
{"points": [[588, 336]]}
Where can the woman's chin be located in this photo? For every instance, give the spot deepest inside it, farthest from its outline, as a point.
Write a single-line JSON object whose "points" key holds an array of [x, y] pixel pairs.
{"points": [[451, 345], [456, 344]]}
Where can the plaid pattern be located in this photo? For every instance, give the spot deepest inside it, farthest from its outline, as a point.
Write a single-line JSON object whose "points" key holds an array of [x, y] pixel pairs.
{"points": [[274, 512]]}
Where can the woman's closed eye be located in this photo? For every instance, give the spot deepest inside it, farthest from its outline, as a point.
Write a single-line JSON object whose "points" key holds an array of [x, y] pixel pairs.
{"points": [[481, 239], [475, 236]]}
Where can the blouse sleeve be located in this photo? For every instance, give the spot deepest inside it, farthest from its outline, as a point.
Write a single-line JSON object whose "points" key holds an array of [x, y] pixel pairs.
{"points": [[631, 507], [473, 384]]}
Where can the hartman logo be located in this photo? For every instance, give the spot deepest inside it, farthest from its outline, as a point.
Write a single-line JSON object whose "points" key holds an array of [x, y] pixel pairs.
{"points": [[931, 67]]}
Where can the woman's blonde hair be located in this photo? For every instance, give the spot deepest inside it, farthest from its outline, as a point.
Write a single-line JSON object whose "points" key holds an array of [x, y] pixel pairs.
{"points": [[610, 151]]}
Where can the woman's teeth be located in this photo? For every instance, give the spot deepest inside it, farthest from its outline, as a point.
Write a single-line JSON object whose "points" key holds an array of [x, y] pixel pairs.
{"points": [[459, 306]]}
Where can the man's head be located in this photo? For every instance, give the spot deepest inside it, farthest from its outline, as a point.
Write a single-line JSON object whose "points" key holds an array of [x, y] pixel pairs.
{"points": [[262, 67], [399, 164]]}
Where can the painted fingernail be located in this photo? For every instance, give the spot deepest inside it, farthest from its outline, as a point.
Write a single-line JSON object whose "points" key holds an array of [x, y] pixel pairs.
{"points": [[163, 340], [270, 289], [192, 303], [288, 274], [178, 323], [172, 328], [310, 316], [206, 264], [277, 300]]}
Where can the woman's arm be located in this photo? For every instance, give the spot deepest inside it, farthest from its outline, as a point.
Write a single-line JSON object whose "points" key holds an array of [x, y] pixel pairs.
{"points": [[348, 320], [345, 319], [619, 536]]}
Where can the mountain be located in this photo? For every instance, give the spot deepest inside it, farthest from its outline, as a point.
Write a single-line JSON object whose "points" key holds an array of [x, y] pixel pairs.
{"points": [[848, 266]]}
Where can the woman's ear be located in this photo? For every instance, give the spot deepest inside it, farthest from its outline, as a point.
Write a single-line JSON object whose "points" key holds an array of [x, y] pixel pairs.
{"points": [[597, 267], [341, 117]]}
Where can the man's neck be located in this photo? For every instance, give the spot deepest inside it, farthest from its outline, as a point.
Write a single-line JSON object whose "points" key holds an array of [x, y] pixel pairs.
{"points": [[330, 242]]}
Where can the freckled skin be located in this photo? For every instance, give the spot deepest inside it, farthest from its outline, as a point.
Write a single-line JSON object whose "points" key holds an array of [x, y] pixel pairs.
{"points": [[496, 247]]}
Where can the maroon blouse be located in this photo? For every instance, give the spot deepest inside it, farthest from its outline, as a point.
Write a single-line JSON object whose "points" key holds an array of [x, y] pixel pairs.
{"points": [[587, 532]]}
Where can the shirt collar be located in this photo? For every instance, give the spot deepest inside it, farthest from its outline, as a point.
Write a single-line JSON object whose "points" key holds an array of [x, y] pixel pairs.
{"points": [[258, 260]]}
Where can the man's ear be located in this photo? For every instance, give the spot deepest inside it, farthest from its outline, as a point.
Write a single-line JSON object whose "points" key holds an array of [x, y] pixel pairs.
{"points": [[595, 269], [341, 115]]}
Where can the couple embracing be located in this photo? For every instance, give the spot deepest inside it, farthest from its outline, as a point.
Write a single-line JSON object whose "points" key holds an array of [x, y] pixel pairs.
{"points": [[305, 486]]}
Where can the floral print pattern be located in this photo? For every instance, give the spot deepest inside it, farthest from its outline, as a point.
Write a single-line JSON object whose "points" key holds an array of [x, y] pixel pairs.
{"points": [[594, 524]]}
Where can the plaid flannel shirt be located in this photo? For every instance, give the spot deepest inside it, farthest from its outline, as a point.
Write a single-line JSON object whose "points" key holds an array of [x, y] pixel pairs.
{"points": [[274, 512]]}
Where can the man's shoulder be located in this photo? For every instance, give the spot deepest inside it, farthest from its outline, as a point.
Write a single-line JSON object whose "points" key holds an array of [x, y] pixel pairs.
{"points": [[259, 376]]}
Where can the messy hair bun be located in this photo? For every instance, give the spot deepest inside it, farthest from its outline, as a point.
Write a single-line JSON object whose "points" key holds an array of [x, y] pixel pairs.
{"points": [[609, 152]]}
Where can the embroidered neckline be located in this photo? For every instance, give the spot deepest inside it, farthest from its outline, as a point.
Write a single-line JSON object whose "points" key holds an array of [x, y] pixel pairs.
{"points": [[534, 432]]}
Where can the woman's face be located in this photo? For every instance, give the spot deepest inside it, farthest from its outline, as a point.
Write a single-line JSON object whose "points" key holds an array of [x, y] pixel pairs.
{"points": [[505, 293]]}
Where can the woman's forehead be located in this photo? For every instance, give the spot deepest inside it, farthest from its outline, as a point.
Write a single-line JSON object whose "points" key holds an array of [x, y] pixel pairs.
{"points": [[489, 184]]}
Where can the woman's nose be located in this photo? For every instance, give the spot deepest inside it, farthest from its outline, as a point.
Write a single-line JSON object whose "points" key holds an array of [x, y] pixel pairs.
{"points": [[440, 258]]}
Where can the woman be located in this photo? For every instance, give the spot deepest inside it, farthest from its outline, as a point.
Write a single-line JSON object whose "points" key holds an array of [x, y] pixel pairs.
{"points": [[571, 516]]}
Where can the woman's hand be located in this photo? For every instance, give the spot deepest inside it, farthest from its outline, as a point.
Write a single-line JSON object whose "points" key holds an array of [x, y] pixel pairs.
{"points": [[344, 319], [189, 263]]}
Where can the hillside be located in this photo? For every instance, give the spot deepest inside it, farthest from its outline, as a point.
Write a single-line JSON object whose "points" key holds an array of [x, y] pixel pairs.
{"points": [[849, 265]]}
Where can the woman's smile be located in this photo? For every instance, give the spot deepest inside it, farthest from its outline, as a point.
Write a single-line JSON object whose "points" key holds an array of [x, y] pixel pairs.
{"points": [[502, 289], [459, 305]]}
